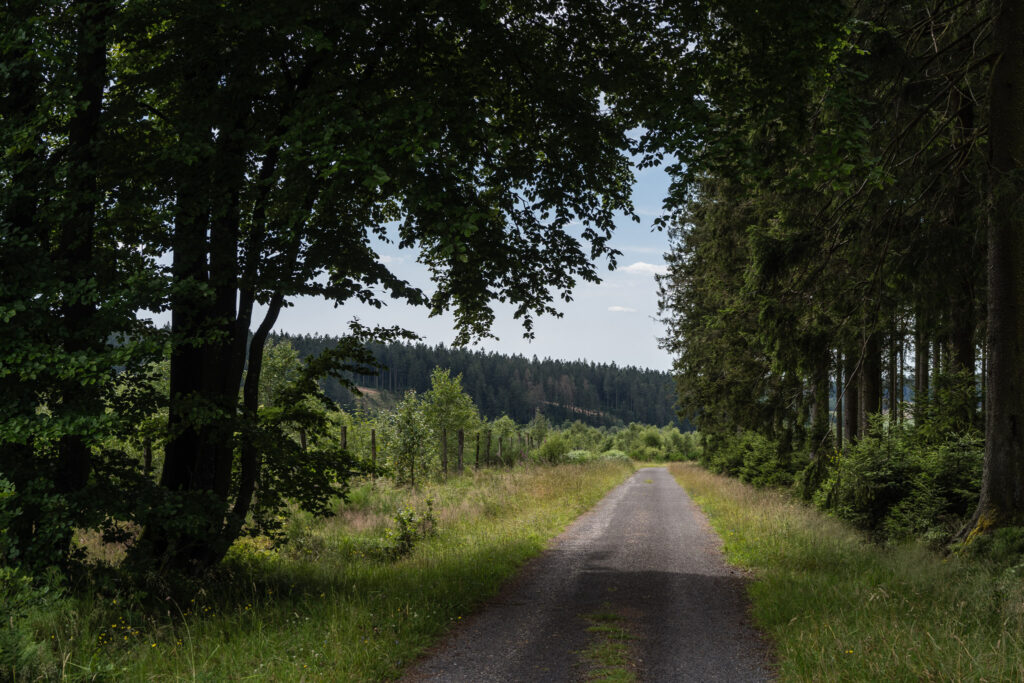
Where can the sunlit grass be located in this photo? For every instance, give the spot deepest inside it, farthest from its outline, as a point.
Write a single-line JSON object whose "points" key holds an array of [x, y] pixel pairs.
{"points": [[842, 609], [328, 605]]}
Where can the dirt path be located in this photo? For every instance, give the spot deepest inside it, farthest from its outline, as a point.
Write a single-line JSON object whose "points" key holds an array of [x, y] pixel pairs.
{"points": [[644, 553]]}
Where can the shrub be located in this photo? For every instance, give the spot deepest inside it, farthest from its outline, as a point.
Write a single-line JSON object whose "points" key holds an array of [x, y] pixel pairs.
{"points": [[553, 450], [751, 457], [410, 526], [900, 482]]}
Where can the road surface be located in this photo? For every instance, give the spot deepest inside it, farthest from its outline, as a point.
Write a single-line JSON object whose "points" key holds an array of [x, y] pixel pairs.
{"points": [[644, 553]]}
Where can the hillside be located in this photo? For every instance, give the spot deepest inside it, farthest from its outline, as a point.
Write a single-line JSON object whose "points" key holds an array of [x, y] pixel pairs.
{"points": [[594, 393]]}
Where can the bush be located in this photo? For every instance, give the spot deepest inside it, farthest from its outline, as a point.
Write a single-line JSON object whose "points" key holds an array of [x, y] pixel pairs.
{"points": [[553, 450], [899, 482], [410, 526], [752, 458], [682, 446]]}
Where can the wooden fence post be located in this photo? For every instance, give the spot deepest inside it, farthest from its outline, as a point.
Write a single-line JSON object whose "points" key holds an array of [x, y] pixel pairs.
{"points": [[462, 443], [373, 451]]}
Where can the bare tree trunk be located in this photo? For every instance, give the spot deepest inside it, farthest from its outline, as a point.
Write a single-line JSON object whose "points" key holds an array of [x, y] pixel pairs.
{"points": [[851, 419], [1002, 487], [870, 382], [839, 401]]}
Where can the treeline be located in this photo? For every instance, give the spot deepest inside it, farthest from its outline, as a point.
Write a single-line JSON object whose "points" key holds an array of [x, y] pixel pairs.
{"points": [[593, 393], [841, 240]]}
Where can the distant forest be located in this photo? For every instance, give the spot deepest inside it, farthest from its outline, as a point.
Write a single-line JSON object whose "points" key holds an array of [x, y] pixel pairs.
{"points": [[596, 394]]}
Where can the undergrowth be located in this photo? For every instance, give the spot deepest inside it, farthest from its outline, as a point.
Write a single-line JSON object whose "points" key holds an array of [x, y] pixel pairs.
{"points": [[354, 597], [840, 608]]}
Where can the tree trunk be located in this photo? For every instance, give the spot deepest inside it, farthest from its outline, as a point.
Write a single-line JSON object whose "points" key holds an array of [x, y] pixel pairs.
{"points": [[851, 419], [75, 249], [840, 387], [870, 385], [820, 422], [1002, 487], [922, 365]]}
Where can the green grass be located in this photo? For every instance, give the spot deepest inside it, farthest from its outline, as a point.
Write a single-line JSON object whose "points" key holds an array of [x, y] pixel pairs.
{"points": [[328, 605], [839, 608], [607, 657]]}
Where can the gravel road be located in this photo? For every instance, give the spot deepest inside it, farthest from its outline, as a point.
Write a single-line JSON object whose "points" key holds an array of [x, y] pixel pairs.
{"points": [[646, 553]]}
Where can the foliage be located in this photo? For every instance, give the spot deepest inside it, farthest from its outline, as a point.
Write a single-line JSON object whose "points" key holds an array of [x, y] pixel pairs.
{"points": [[409, 527], [899, 483], [27, 605], [829, 233], [553, 449], [580, 457], [404, 444], [448, 411], [750, 457], [215, 162]]}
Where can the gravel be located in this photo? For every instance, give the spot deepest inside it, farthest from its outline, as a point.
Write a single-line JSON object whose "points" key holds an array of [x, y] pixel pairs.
{"points": [[644, 552]]}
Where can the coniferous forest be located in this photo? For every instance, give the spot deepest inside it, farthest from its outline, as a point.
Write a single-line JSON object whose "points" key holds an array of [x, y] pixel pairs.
{"points": [[593, 393], [843, 299]]}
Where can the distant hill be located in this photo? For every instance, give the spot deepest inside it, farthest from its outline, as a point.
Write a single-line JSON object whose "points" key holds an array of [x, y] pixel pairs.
{"points": [[594, 393]]}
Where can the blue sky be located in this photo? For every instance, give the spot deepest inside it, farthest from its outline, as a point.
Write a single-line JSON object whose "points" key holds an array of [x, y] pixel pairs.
{"points": [[613, 321], [608, 322]]}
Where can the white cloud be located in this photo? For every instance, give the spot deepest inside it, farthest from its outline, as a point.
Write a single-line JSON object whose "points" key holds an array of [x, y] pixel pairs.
{"points": [[621, 309], [391, 260], [646, 268]]}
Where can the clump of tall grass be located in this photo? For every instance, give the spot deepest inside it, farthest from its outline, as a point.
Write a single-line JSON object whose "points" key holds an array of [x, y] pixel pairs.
{"points": [[841, 608], [324, 602]]}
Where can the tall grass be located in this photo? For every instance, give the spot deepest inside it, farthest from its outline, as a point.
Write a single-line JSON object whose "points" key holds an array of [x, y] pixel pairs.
{"points": [[328, 604], [842, 609]]}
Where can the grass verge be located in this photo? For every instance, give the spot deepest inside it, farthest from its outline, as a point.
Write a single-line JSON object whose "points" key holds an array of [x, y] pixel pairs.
{"points": [[842, 609], [330, 604]]}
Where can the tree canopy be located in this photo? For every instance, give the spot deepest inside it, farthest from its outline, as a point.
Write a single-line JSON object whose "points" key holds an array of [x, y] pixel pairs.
{"points": [[214, 160]]}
